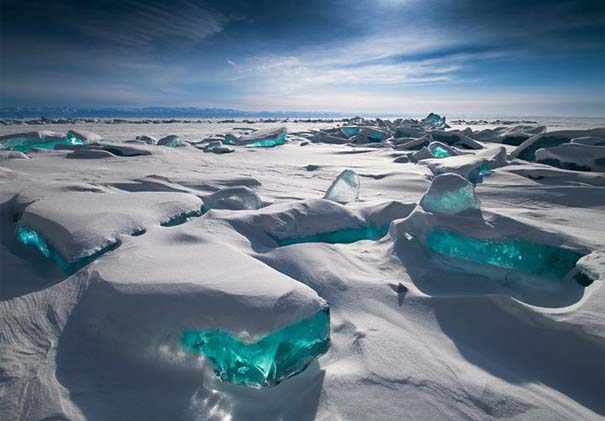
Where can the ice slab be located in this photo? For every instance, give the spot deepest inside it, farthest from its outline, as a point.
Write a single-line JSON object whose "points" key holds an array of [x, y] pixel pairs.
{"points": [[265, 138], [24, 142], [449, 194], [536, 259], [267, 361], [345, 188]]}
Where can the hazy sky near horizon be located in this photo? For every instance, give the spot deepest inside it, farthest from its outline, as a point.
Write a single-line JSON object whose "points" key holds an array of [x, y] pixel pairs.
{"points": [[384, 56]]}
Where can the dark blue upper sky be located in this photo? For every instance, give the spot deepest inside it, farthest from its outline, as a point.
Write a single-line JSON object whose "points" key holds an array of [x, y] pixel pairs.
{"points": [[385, 56]]}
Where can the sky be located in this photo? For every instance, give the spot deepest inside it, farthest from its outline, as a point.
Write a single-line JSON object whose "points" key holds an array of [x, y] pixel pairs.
{"points": [[475, 57]]}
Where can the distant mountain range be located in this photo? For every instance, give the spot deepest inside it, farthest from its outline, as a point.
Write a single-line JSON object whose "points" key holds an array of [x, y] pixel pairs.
{"points": [[154, 112]]}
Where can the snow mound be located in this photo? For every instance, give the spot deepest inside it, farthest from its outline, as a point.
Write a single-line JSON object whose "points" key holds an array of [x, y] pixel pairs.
{"points": [[171, 141], [471, 167], [527, 150], [573, 156], [79, 224], [234, 198]]}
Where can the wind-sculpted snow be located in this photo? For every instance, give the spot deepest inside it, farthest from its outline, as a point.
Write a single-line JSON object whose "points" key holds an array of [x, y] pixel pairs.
{"points": [[573, 156], [140, 281], [79, 224]]}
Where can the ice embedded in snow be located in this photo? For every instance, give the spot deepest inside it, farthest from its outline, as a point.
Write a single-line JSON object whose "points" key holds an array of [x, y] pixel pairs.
{"points": [[170, 141], [434, 121], [573, 156], [537, 259], [233, 198], [345, 188], [81, 137], [217, 147], [24, 142], [267, 361], [471, 167], [449, 194], [264, 138], [79, 224]]}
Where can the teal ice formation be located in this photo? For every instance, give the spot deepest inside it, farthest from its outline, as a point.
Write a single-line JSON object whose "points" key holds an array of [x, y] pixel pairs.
{"points": [[267, 361]]}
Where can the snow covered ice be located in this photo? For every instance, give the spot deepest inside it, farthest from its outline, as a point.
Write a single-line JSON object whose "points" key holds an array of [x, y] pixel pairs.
{"points": [[357, 269]]}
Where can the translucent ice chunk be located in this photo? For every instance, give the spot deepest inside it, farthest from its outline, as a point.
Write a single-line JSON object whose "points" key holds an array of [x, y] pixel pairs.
{"points": [[350, 131], [439, 152], [345, 236], [24, 142], [345, 188], [265, 138], [536, 259], [170, 141], [449, 194], [267, 361]]}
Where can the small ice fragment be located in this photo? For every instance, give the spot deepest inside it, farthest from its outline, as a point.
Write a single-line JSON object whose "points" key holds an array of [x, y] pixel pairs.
{"points": [[449, 194], [345, 188], [170, 141]]}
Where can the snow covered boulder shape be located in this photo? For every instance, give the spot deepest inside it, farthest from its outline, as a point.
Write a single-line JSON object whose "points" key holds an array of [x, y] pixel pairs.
{"points": [[233, 198], [495, 157], [150, 140], [345, 188], [79, 137], [181, 291], [527, 150], [573, 156], [455, 138], [77, 225], [171, 141], [264, 138], [23, 142], [449, 194], [217, 147], [423, 153], [468, 166]]}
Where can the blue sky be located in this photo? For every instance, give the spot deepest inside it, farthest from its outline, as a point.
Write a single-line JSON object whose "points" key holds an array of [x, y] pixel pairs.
{"points": [[381, 56]]}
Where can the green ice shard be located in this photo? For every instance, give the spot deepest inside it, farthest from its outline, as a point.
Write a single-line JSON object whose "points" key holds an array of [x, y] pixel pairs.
{"points": [[439, 152], [268, 361], [29, 237], [345, 236], [533, 258]]}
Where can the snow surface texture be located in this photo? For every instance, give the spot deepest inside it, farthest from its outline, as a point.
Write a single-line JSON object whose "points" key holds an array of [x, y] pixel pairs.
{"points": [[176, 240]]}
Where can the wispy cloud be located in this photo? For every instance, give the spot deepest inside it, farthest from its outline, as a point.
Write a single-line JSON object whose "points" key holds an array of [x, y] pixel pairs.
{"points": [[146, 23]]}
